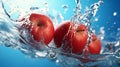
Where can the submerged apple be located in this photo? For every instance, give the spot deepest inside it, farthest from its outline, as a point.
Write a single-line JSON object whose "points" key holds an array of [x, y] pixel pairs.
{"points": [[71, 36]]}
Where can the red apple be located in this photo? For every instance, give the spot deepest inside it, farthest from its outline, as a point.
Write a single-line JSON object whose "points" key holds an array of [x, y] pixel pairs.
{"points": [[71, 36], [43, 29], [94, 46], [60, 32]]}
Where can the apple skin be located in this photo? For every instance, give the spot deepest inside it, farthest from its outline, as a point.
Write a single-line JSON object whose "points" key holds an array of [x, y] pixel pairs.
{"points": [[94, 45], [42, 29], [71, 37], [60, 32]]}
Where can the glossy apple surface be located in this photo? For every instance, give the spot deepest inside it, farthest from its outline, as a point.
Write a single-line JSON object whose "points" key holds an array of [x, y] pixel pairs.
{"points": [[42, 29], [71, 35], [94, 46]]}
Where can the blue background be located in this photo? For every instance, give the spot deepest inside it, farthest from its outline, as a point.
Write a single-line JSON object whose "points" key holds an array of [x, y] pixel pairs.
{"points": [[14, 58]]}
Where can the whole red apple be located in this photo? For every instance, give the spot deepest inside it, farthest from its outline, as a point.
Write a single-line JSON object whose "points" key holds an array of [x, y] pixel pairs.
{"points": [[71, 35], [42, 29], [94, 45]]}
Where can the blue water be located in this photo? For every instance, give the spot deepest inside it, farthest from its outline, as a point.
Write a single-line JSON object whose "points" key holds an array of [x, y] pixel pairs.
{"points": [[13, 58], [10, 57]]}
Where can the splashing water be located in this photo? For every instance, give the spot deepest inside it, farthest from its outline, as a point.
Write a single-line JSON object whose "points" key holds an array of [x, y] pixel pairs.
{"points": [[14, 35]]}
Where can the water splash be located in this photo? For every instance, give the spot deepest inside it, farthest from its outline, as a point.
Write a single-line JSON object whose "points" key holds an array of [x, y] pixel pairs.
{"points": [[65, 7], [13, 34]]}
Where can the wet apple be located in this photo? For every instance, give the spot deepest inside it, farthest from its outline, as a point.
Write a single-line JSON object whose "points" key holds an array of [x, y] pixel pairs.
{"points": [[71, 36], [94, 45], [43, 29]]}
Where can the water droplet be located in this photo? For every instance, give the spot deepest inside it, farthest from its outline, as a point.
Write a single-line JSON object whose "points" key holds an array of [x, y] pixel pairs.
{"points": [[115, 13], [114, 23], [118, 29], [96, 19], [45, 3], [60, 16], [34, 8], [102, 33], [117, 44], [65, 6], [76, 1], [57, 61]]}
